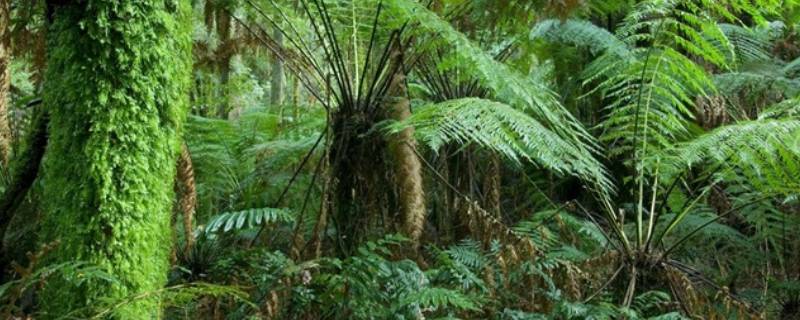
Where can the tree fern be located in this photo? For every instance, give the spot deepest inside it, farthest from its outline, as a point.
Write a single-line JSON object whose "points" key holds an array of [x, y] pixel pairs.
{"points": [[687, 25], [504, 84], [754, 84], [648, 89]]}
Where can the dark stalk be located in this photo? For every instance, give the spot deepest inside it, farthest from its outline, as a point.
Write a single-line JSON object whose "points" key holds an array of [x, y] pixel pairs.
{"points": [[302, 76], [330, 32], [321, 37], [305, 47], [305, 54], [372, 36], [291, 182]]}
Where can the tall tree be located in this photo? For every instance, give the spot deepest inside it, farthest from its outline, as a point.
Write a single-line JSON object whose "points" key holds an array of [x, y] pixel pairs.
{"points": [[116, 88], [276, 78], [5, 81], [224, 54]]}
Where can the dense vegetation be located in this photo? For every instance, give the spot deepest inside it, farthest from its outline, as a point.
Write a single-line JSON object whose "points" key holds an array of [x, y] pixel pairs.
{"points": [[399, 159]]}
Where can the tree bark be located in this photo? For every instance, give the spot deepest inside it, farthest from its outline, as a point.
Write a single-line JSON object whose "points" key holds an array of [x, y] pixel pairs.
{"points": [[276, 79], [223, 57], [5, 83], [117, 86], [491, 186], [187, 195], [408, 168]]}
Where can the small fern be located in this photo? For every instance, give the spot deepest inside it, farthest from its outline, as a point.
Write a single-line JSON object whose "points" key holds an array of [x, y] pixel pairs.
{"points": [[246, 219]]}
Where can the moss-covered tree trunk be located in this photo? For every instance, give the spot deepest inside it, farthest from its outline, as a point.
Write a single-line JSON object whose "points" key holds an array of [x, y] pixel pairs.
{"points": [[116, 89]]}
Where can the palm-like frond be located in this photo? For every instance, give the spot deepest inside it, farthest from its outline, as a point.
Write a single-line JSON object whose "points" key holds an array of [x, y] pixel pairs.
{"points": [[580, 33], [749, 45], [756, 83], [504, 84], [532, 99], [688, 25], [650, 98], [765, 152], [649, 91], [503, 129]]}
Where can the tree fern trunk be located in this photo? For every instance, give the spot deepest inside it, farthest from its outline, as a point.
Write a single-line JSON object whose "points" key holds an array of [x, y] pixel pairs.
{"points": [[117, 82], [187, 194], [491, 186], [408, 168], [313, 248], [5, 83]]}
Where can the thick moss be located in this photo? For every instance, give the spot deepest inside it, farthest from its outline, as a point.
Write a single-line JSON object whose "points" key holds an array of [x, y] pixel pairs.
{"points": [[116, 89]]}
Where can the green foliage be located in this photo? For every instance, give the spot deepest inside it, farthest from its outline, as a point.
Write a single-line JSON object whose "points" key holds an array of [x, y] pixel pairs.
{"points": [[237, 162], [580, 33], [73, 272], [764, 152], [244, 219], [21, 83], [505, 130], [169, 296], [381, 288], [689, 163], [505, 85]]}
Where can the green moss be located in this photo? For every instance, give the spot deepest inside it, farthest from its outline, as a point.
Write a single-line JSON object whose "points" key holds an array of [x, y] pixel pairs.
{"points": [[117, 81]]}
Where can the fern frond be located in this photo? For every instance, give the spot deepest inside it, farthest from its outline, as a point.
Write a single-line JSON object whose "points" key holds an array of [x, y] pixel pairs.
{"points": [[436, 298], [748, 45], [650, 98], [467, 252], [756, 83], [504, 84], [787, 109], [246, 219], [687, 25], [765, 152], [503, 129], [580, 33]]}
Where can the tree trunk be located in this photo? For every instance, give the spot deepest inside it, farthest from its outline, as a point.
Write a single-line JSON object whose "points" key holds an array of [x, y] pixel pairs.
{"points": [[117, 86], [187, 195], [5, 83], [276, 80], [491, 186], [295, 100], [223, 57], [26, 166], [408, 168]]}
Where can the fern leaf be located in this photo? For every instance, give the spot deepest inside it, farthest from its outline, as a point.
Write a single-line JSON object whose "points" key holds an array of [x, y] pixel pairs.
{"points": [[249, 218], [503, 129]]}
